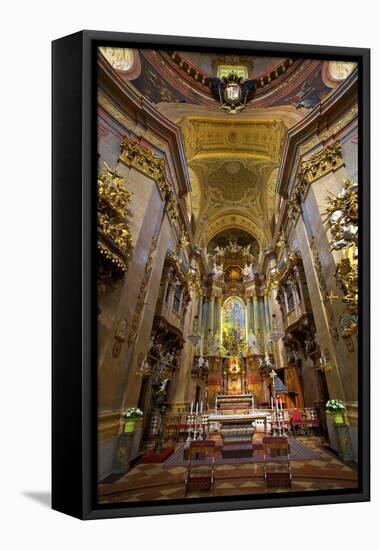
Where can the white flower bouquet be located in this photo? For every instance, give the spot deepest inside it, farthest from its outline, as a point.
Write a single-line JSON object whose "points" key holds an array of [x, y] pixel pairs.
{"points": [[132, 412], [335, 405]]}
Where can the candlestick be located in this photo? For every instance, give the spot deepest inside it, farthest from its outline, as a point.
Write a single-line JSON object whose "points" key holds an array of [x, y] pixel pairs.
{"points": [[191, 407], [201, 407], [197, 407], [272, 403]]}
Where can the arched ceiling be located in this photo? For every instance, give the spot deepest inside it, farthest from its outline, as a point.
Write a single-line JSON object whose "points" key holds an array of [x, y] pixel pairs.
{"points": [[232, 159]]}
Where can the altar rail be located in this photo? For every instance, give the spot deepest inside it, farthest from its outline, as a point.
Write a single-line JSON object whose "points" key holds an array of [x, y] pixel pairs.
{"points": [[176, 424]]}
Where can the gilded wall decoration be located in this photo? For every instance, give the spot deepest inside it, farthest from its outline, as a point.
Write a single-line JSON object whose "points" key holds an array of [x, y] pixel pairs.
{"points": [[342, 216], [324, 291], [320, 164], [142, 291], [294, 207], [114, 239], [342, 221], [134, 155], [119, 337]]}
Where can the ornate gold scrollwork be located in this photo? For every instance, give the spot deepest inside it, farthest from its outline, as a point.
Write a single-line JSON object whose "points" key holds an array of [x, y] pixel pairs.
{"points": [[342, 220], [342, 216], [114, 239], [320, 164], [134, 155], [347, 278], [293, 207]]}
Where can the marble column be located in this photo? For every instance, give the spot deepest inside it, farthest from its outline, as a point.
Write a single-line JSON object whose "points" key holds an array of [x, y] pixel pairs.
{"points": [[211, 313], [252, 316], [217, 315], [204, 316], [200, 311], [267, 314], [256, 314], [248, 314]]}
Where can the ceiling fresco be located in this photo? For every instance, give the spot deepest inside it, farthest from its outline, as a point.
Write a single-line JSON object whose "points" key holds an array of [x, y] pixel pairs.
{"points": [[208, 63], [232, 159]]}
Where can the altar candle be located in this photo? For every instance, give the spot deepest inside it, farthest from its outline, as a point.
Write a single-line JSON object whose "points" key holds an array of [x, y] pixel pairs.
{"points": [[197, 407], [281, 404], [272, 403], [191, 407], [277, 408], [201, 407]]}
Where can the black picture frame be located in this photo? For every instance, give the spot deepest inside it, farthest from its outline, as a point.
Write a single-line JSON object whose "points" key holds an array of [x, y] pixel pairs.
{"points": [[74, 412]]}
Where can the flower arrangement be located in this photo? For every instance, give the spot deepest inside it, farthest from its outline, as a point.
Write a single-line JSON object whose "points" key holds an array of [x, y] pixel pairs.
{"points": [[132, 412], [335, 405]]}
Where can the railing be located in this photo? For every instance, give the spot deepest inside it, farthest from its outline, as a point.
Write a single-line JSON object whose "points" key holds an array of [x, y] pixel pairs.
{"points": [[178, 424]]}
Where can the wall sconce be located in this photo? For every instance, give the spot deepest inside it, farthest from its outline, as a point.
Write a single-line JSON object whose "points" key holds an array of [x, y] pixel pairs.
{"points": [[324, 362]]}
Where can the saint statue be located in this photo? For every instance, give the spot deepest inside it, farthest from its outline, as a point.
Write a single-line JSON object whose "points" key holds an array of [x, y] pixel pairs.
{"points": [[218, 271], [248, 270], [252, 342]]}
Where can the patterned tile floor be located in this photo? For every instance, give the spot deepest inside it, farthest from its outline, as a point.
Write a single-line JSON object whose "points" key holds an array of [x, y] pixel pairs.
{"points": [[158, 482]]}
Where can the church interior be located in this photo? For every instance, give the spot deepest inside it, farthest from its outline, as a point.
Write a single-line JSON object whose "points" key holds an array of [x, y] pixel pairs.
{"points": [[227, 274]]}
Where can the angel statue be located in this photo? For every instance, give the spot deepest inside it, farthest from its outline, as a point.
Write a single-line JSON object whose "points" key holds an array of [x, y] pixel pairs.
{"points": [[219, 251], [163, 387]]}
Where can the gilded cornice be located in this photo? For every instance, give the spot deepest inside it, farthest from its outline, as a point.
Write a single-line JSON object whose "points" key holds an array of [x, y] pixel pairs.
{"points": [[134, 155]]}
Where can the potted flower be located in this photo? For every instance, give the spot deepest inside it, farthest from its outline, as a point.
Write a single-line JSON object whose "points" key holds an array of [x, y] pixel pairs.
{"points": [[130, 417], [336, 408]]}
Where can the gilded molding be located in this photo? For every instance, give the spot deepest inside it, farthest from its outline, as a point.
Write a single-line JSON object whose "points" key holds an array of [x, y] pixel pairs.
{"points": [[135, 156], [142, 292], [114, 239], [342, 221], [294, 207], [320, 164]]}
